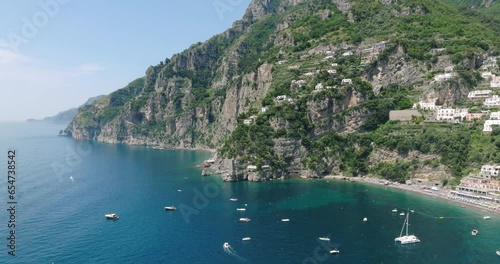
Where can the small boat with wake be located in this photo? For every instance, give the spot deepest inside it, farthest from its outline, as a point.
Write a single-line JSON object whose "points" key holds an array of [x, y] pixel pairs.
{"points": [[324, 238], [170, 208]]}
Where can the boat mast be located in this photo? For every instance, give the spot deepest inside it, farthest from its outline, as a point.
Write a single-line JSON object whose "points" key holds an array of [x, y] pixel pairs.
{"points": [[407, 222], [403, 228]]}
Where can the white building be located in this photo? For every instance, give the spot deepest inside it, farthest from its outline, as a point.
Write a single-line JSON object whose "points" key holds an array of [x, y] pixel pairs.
{"points": [[334, 64], [280, 98], [309, 74], [486, 75], [495, 82], [346, 81], [380, 45], [331, 72], [328, 57], [294, 67], [347, 53], [319, 86], [444, 77], [488, 125], [448, 69], [495, 116], [493, 101], [479, 93], [426, 106], [298, 83], [449, 114], [264, 109], [282, 62], [490, 170], [247, 121]]}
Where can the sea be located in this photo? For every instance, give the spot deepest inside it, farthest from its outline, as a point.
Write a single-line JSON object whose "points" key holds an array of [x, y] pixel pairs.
{"points": [[64, 187]]}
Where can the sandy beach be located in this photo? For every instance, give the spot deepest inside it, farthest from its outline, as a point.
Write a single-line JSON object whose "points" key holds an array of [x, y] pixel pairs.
{"points": [[442, 193]]}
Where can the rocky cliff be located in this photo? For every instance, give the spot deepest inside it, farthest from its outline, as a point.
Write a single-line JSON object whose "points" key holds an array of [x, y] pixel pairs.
{"points": [[291, 75]]}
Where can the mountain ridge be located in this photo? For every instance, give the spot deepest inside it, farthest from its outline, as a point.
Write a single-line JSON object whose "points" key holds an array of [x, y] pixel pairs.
{"points": [[205, 96]]}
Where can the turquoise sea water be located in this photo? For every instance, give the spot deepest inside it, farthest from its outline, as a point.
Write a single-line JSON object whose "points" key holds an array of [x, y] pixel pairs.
{"points": [[64, 188]]}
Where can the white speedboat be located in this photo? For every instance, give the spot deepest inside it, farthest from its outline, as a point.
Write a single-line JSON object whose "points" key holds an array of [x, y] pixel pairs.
{"points": [[324, 238], [498, 252], [474, 232], [179, 190], [241, 209], [246, 239], [406, 239], [245, 219], [285, 220], [111, 216], [233, 199], [394, 210], [334, 251], [401, 214], [486, 217], [365, 219], [170, 208], [226, 245]]}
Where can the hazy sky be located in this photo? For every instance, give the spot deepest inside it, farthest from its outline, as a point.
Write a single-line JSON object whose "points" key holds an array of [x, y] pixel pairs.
{"points": [[54, 54]]}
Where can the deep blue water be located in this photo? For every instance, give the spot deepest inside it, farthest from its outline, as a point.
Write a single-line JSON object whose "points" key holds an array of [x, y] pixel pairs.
{"points": [[64, 188]]}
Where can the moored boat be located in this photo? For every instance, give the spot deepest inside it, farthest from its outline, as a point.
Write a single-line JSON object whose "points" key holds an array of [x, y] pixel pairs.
{"points": [[486, 217], [406, 239], [170, 208], [241, 209], [285, 220], [111, 216], [324, 238], [334, 251], [245, 219], [246, 239], [474, 232], [233, 199]]}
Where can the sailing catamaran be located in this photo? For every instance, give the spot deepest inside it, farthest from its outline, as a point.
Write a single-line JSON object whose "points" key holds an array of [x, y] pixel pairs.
{"points": [[406, 239]]}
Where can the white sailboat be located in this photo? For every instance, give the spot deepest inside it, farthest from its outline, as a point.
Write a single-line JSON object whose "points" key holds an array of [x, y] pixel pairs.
{"points": [[406, 239]]}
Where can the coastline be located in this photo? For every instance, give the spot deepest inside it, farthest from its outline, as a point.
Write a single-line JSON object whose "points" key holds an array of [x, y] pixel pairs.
{"points": [[443, 194]]}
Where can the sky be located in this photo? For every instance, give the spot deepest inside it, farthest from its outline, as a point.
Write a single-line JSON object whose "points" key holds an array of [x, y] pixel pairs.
{"points": [[55, 54]]}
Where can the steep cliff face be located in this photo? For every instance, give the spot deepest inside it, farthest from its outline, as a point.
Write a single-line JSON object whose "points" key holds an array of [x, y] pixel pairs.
{"points": [[290, 77]]}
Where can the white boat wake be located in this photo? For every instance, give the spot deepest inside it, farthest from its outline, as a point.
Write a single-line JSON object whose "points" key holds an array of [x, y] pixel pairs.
{"points": [[230, 251]]}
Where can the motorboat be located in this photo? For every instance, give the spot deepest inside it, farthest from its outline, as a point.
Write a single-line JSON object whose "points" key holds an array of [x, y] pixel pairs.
{"points": [[498, 252], [394, 210], [111, 216], [179, 190], [406, 239], [245, 219], [170, 208], [402, 214], [226, 245], [233, 199], [474, 232], [486, 217], [246, 239], [285, 220], [241, 209], [365, 219], [334, 251], [324, 238]]}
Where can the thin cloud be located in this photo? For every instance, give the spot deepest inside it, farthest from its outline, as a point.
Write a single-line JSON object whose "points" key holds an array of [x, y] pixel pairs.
{"points": [[90, 67], [8, 57]]}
